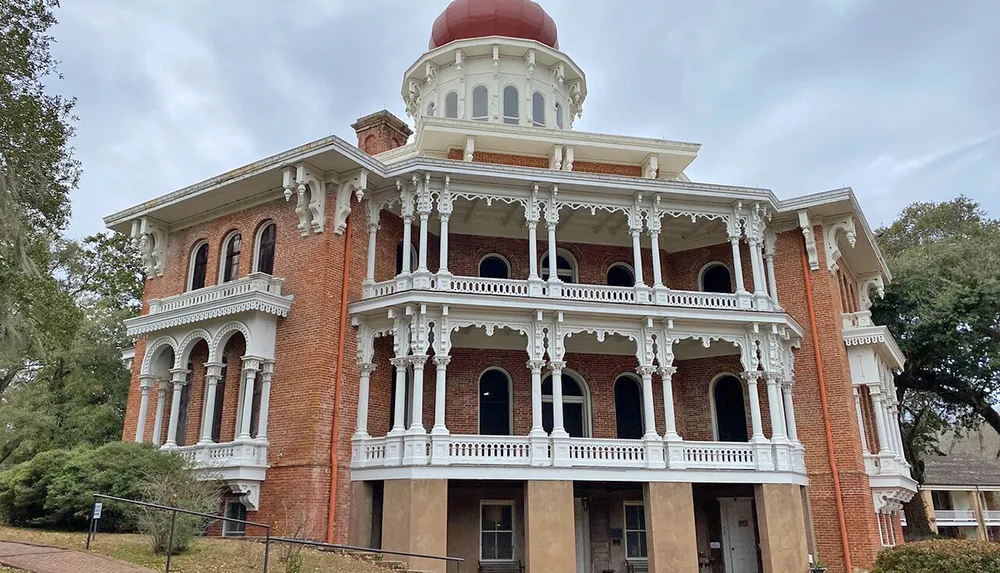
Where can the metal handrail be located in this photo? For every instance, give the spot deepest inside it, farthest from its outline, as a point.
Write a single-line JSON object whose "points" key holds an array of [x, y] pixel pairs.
{"points": [[456, 560]]}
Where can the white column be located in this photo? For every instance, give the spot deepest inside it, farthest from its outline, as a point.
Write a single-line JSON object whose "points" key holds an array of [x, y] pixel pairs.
{"points": [[372, 234], [213, 373], [145, 385], [161, 398], [365, 370], [178, 377], [737, 264], [774, 406], [399, 407], [654, 239], [648, 417], [755, 419], [407, 243], [883, 435], [772, 281], [532, 249], [553, 276], [793, 431], [422, 251], [861, 420], [417, 400], [443, 268], [267, 371], [440, 393], [557, 399], [757, 268], [536, 366], [444, 208], [667, 373], [250, 368], [637, 257], [897, 434]]}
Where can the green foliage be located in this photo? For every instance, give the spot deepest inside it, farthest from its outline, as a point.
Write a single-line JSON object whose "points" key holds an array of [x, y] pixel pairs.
{"points": [[176, 487], [939, 556], [55, 488]]}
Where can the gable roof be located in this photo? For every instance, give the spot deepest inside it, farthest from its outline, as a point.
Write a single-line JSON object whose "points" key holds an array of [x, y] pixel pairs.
{"points": [[960, 470]]}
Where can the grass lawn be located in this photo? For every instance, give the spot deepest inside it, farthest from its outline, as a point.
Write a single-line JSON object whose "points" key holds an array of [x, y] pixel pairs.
{"points": [[208, 555]]}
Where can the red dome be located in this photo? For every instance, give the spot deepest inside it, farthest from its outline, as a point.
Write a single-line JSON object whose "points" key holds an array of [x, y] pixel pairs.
{"points": [[464, 19]]}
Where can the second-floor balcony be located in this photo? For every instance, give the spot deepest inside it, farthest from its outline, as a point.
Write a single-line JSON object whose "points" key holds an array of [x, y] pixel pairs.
{"points": [[956, 517]]}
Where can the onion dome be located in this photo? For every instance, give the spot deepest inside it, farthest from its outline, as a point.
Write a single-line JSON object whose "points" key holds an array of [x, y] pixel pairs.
{"points": [[465, 19]]}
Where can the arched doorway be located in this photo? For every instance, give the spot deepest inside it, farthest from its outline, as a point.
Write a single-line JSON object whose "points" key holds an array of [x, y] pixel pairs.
{"points": [[729, 410], [628, 407], [715, 277], [494, 403]]}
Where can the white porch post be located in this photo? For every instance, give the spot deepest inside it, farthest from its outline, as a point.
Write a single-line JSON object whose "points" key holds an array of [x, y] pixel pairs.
{"points": [[536, 396], [251, 366], [757, 425], [861, 420], [267, 371], [757, 267], [793, 431], [883, 435], [399, 407], [365, 370], [424, 207], [774, 404], [178, 377], [553, 273], [551, 221], [532, 249], [667, 373], [407, 242], [531, 217], [896, 432], [558, 431], [648, 417], [772, 281], [161, 398], [417, 400], [213, 373], [654, 240], [145, 385], [734, 240], [640, 281], [440, 393], [373, 212]]}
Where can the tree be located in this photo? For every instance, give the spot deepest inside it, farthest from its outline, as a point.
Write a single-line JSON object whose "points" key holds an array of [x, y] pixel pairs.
{"points": [[943, 307]]}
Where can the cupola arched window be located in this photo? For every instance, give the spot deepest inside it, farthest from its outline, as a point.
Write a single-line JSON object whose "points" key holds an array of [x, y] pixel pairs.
{"points": [[231, 261], [266, 239], [576, 405], [559, 115], [565, 267], [199, 266], [480, 105], [511, 106], [494, 267], [494, 403], [628, 407], [451, 105], [621, 275], [715, 277], [538, 109]]}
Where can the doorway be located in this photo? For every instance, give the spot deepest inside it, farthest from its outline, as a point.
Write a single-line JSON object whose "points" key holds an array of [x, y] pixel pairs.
{"points": [[739, 535], [582, 520], [729, 409]]}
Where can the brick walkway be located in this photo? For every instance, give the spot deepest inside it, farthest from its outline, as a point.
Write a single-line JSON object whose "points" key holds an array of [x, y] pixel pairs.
{"points": [[44, 559]]}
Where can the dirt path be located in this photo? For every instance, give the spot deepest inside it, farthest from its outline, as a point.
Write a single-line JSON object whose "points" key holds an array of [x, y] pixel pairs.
{"points": [[46, 559]]}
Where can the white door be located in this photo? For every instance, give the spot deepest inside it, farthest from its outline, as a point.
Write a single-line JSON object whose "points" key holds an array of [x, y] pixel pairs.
{"points": [[582, 536], [739, 536]]}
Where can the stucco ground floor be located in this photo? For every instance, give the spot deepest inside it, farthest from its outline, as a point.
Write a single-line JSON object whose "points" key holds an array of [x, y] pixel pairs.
{"points": [[571, 527]]}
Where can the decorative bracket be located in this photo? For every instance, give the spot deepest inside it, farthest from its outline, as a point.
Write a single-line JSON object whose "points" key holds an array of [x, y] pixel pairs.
{"points": [[249, 492], [529, 59], [150, 237], [865, 285], [356, 184], [831, 234], [807, 232], [556, 158], [651, 166], [470, 148], [309, 185]]}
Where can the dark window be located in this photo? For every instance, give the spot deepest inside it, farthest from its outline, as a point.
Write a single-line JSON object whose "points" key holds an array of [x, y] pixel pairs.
{"points": [[199, 267], [538, 109], [730, 411], [265, 252], [220, 400], [511, 112], [620, 275], [497, 532], [564, 268], [635, 532], [494, 403], [235, 510], [231, 270], [494, 267], [451, 105], [407, 399], [480, 107], [716, 278], [181, 436], [399, 258], [628, 408], [255, 408], [574, 411]]}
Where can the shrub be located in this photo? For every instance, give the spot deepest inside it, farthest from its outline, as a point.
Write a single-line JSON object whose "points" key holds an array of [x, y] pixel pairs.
{"points": [[176, 487], [938, 556]]}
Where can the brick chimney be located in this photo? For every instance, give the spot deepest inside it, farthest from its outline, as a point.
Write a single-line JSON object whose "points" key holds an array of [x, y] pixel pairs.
{"points": [[380, 132]]}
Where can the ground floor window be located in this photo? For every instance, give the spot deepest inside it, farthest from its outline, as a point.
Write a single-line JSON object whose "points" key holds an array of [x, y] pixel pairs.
{"points": [[496, 531], [635, 531], [235, 510]]}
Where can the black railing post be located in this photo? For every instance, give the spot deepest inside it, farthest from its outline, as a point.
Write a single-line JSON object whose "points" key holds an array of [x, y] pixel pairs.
{"points": [[170, 540], [267, 546], [90, 524]]}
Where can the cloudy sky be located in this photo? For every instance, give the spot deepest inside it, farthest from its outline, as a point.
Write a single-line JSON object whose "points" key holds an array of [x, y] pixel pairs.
{"points": [[899, 99]]}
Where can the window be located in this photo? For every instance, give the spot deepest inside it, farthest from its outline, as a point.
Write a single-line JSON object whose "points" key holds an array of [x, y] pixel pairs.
{"points": [[255, 408], [182, 415], [494, 403], [494, 267], [231, 262], [635, 531], [559, 116], [729, 410], [511, 105], [480, 107], [628, 407], [431, 108], [399, 258], [235, 510], [496, 528], [538, 109], [266, 239], [199, 266], [576, 409], [451, 105], [715, 277], [621, 275], [565, 266], [220, 401]]}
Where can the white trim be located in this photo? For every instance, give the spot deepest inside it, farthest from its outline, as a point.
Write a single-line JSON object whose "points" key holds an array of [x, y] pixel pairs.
{"points": [[711, 402], [628, 266], [710, 264], [625, 529], [510, 398], [256, 242], [513, 529], [479, 270], [549, 473], [588, 419], [191, 257], [222, 255]]}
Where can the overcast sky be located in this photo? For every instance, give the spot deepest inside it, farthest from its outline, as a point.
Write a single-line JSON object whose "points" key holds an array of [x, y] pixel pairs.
{"points": [[899, 99]]}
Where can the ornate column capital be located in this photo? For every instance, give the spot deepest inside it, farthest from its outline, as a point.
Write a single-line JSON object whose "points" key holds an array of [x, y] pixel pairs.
{"points": [[667, 371], [400, 361], [146, 382], [557, 365], [179, 376], [646, 370], [535, 365], [251, 362], [442, 361], [751, 376], [366, 368]]}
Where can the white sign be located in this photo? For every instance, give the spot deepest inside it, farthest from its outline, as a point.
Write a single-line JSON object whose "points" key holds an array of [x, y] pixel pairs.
{"points": [[97, 510]]}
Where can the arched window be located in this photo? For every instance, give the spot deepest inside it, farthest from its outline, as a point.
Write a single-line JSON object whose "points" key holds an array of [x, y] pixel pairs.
{"points": [[399, 258], [431, 108], [559, 115], [511, 106], [180, 436], [628, 407], [220, 402], [565, 267], [576, 405], [480, 105], [494, 267], [715, 277], [231, 261], [267, 236], [538, 109], [199, 266], [621, 275], [451, 105], [728, 409], [494, 403]]}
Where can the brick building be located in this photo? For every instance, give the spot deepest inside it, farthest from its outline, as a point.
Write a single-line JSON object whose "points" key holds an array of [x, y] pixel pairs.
{"points": [[502, 339]]}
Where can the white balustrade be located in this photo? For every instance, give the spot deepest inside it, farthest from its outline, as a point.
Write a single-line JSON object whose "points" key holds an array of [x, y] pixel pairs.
{"points": [[225, 455], [489, 450], [598, 293], [693, 299], [992, 516], [607, 453], [954, 516], [718, 455], [375, 290], [256, 282], [480, 285]]}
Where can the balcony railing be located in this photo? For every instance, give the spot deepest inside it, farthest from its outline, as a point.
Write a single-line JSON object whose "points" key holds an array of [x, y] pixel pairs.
{"points": [[955, 516], [719, 455], [992, 516], [571, 291], [227, 455]]}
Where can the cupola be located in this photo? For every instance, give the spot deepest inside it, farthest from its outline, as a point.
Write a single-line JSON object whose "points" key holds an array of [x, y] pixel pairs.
{"points": [[465, 19]]}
